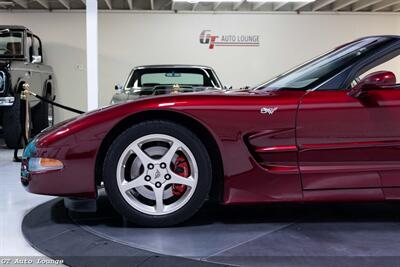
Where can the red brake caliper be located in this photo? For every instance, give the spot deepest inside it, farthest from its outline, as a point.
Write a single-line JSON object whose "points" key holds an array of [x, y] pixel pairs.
{"points": [[181, 167]]}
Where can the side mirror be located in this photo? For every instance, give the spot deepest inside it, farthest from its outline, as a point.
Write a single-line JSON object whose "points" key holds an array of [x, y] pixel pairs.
{"points": [[373, 81], [118, 87], [36, 59]]}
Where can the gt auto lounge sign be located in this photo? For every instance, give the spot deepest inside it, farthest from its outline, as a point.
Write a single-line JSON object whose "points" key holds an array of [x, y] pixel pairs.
{"points": [[213, 40]]}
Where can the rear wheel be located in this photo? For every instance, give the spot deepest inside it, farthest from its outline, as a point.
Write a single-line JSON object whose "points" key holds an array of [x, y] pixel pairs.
{"points": [[11, 123], [157, 173]]}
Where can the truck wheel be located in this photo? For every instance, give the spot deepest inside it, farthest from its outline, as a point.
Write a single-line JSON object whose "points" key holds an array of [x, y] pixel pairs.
{"points": [[12, 124], [43, 115]]}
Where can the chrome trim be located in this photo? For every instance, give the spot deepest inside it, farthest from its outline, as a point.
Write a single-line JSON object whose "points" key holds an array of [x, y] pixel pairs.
{"points": [[32, 70], [4, 85], [7, 101]]}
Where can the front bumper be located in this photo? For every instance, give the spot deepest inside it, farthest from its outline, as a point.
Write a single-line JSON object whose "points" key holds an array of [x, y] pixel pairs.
{"points": [[70, 181], [7, 101]]}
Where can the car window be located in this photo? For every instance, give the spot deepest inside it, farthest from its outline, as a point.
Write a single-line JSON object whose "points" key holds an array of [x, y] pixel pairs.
{"points": [[36, 46], [11, 43], [172, 78], [323, 67], [154, 76]]}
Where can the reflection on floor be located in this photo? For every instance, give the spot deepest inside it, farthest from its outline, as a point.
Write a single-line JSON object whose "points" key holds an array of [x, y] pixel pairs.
{"points": [[286, 234], [15, 202]]}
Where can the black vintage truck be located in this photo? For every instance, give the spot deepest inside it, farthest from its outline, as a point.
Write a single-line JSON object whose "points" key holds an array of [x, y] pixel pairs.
{"points": [[21, 61]]}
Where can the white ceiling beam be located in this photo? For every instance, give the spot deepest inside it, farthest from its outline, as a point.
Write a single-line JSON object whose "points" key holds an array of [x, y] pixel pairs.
{"points": [[338, 5], [239, 4], [195, 6], [130, 4], [321, 4], [258, 5], [364, 4], [43, 3], [385, 4], [277, 6], [65, 3], [300, 5], [108, 3], [396, 8], [216, 5], [152, 4], [22, 3]]}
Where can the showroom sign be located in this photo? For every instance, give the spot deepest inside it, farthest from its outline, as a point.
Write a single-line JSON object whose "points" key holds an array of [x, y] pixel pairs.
{"points": [[212, 40]]}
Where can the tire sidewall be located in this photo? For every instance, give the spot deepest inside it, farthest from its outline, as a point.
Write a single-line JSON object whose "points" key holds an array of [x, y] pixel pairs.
{"points": [[12, 123], [157, 127]]}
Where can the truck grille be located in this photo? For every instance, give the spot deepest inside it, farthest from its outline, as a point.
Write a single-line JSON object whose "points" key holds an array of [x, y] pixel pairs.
{"points": [[2, 81]]}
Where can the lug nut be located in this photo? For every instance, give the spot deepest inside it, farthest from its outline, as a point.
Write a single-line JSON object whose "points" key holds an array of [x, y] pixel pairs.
{"points": [[150, 166], [147, 178], [158, 184], [167, 177], [163, 165]]}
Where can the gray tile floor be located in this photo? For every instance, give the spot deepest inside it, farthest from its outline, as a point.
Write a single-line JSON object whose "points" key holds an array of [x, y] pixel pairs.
{"points": [[15, 202]]}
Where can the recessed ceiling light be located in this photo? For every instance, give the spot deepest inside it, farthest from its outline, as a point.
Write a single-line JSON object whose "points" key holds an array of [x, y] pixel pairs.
{"points": [[282, 1], [233, 1]]}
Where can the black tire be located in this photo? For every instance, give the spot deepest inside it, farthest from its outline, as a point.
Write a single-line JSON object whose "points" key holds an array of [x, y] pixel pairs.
{"points": [[157, 127], [40, 116], [11, 123]]}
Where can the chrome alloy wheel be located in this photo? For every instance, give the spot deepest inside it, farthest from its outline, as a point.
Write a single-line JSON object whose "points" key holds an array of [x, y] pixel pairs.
{"points": [[147, 174]]}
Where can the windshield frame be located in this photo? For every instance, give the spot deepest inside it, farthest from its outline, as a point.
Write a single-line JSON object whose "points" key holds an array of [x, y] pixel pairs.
{"points": [[23, 46], [207, 70]]}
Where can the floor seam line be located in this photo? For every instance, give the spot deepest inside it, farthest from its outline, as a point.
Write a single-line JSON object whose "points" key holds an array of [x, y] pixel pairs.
{"points": [[252, 239], [56, 235]]}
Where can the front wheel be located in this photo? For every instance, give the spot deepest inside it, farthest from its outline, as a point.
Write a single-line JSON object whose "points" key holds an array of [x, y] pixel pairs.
{"points": [[157, 173]]}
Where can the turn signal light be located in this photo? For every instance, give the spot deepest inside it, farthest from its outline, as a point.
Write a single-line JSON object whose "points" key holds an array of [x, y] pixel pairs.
{"points": [[44, 164]]}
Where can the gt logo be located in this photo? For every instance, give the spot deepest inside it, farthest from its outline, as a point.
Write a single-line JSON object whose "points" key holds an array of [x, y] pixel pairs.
{"points": [[268, 111]]}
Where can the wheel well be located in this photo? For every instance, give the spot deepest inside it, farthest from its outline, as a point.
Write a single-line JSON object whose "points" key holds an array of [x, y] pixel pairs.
{"points": [[196, 127]]}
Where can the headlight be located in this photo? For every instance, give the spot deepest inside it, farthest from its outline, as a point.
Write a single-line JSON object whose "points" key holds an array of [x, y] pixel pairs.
{"points": [[44, 164]]}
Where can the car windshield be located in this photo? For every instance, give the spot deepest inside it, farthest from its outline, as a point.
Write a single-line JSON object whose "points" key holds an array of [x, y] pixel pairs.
{"points": [[150, 77], [11, 43], [322, 68]]}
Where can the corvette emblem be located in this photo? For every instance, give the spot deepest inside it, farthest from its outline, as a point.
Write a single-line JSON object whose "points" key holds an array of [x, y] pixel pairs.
{"points": [[268, 111], [157, 175]]}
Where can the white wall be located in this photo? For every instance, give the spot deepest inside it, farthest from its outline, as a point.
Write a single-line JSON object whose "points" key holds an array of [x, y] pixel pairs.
{"points": [[130, 39], [64, 47]]}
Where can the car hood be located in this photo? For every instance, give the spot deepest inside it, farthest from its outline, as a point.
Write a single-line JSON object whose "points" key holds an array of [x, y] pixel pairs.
{"points": [[100, 121], [147, 92]]}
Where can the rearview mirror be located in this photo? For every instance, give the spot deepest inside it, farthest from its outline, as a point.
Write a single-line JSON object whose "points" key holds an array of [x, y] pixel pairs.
{"points": [[36, 59], [118, 87], [373, 81]]}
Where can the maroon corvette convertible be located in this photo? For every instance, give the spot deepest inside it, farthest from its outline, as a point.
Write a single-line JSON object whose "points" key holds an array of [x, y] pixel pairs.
{"points": [[328, 130]]}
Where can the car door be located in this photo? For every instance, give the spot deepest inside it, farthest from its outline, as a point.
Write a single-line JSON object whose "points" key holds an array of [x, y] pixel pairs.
{"points": [[349, 143]]}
